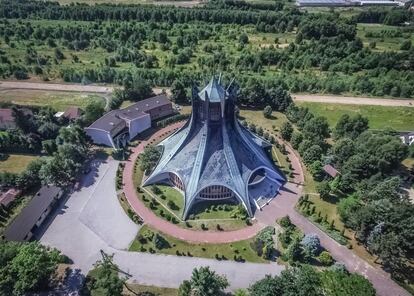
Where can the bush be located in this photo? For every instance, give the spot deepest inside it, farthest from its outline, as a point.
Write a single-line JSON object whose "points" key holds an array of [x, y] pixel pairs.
{"points": [[311, 244], [325, 258]]}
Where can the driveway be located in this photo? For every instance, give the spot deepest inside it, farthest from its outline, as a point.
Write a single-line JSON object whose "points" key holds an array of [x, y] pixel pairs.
{"points": [[91, 220]]}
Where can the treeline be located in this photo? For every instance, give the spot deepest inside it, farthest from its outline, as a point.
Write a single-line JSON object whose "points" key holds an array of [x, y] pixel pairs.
{"points": [[23, 9], [372, 203], [386, 16]]}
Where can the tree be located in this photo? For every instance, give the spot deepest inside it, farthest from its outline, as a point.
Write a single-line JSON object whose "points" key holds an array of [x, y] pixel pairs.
{"points": [[341, 283], [311, 244], [286, 130], [314, 153], [203, 282], [149, 158], [323, 189], [159, 241], [26, 267], [406, 45], [269, 286], [267, 111], [178, 92], [325, 258], [316, 169], [316, 129], [243, 39], [294, 251], [296, 139], [106, 277], [93, 111], [350, 127]]}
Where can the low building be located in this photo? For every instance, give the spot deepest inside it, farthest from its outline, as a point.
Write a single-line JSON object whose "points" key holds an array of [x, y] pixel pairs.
{"points": [[33, 215], [72, 113], [330, 170], [407, 138], [117, 127], [7, 197]]}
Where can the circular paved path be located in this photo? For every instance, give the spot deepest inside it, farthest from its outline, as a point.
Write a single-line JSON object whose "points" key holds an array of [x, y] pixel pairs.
{"points": [[284, 204], [164, 226]]}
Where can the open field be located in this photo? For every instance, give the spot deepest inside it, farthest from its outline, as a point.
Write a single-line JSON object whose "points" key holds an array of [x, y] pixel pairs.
{"points": [[240, 248], [380, 117], [55, 99], [16, 163]]}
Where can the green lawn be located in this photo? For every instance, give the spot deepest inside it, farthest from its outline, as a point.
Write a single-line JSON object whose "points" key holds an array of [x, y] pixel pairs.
{"points": [[60, 101], [380, 117], [16, 163], [184, 248], [256, 116]]}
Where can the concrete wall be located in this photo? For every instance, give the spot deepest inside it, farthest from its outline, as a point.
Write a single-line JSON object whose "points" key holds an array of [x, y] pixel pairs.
{"points": [[139, 125], [99, 136]]}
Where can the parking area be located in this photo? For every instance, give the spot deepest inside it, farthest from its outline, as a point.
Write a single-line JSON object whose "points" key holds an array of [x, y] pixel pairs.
{"points": [[91, 219]]}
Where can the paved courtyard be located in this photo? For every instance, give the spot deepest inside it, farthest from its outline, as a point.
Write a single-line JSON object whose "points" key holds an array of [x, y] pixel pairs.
{"points": [[91, 220]]}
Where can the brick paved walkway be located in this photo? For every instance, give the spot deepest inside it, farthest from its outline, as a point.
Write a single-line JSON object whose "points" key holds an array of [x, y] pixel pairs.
{"points": [[164, 226], [282, 205]]}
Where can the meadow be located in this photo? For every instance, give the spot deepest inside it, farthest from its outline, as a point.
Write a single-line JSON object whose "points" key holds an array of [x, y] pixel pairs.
{"points": [[380, 117], [59, 101]]}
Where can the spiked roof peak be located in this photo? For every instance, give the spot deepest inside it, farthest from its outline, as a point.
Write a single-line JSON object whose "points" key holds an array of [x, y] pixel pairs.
{"points": [[214, 90]]}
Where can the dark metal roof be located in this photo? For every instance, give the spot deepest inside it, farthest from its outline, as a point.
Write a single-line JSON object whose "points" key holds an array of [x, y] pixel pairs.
{"points": [[25, 221], [139, 109]]}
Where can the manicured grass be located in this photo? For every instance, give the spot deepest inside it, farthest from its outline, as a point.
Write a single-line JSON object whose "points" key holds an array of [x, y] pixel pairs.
{"points": [[256, 116], [16, 163], [172, 195], [240, 248], [60, 101], [380, 117]]}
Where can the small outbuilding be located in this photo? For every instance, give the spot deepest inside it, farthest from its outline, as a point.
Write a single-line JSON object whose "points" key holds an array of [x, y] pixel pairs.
{"points": [[330, 170], [7, 197]]}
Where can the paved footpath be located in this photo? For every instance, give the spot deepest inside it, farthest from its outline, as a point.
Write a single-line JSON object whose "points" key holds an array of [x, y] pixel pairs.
{"points": [[91, 219], [283, 204], [381, 280], [164, 226]]}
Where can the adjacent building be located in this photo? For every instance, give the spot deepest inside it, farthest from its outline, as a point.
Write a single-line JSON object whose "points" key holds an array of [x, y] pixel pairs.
{"points": [[32, 216], [214, 158], [346, 3], [7, 120], [117, 127], [9, 196]]}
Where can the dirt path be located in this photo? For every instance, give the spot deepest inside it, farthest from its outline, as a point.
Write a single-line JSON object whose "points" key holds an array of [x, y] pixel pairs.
{"points": [[353, 100], [55, 87]]}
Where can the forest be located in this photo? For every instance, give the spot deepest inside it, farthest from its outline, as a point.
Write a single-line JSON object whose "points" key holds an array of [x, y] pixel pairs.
{"points": [[273, 43]]}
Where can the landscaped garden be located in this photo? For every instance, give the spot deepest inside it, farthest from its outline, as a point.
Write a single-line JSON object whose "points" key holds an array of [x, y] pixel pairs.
{"points": [[151, 240]]}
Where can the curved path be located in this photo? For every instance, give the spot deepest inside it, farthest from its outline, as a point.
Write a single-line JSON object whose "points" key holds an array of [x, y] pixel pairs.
{"points": [[152, 220], [283, 205]]}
